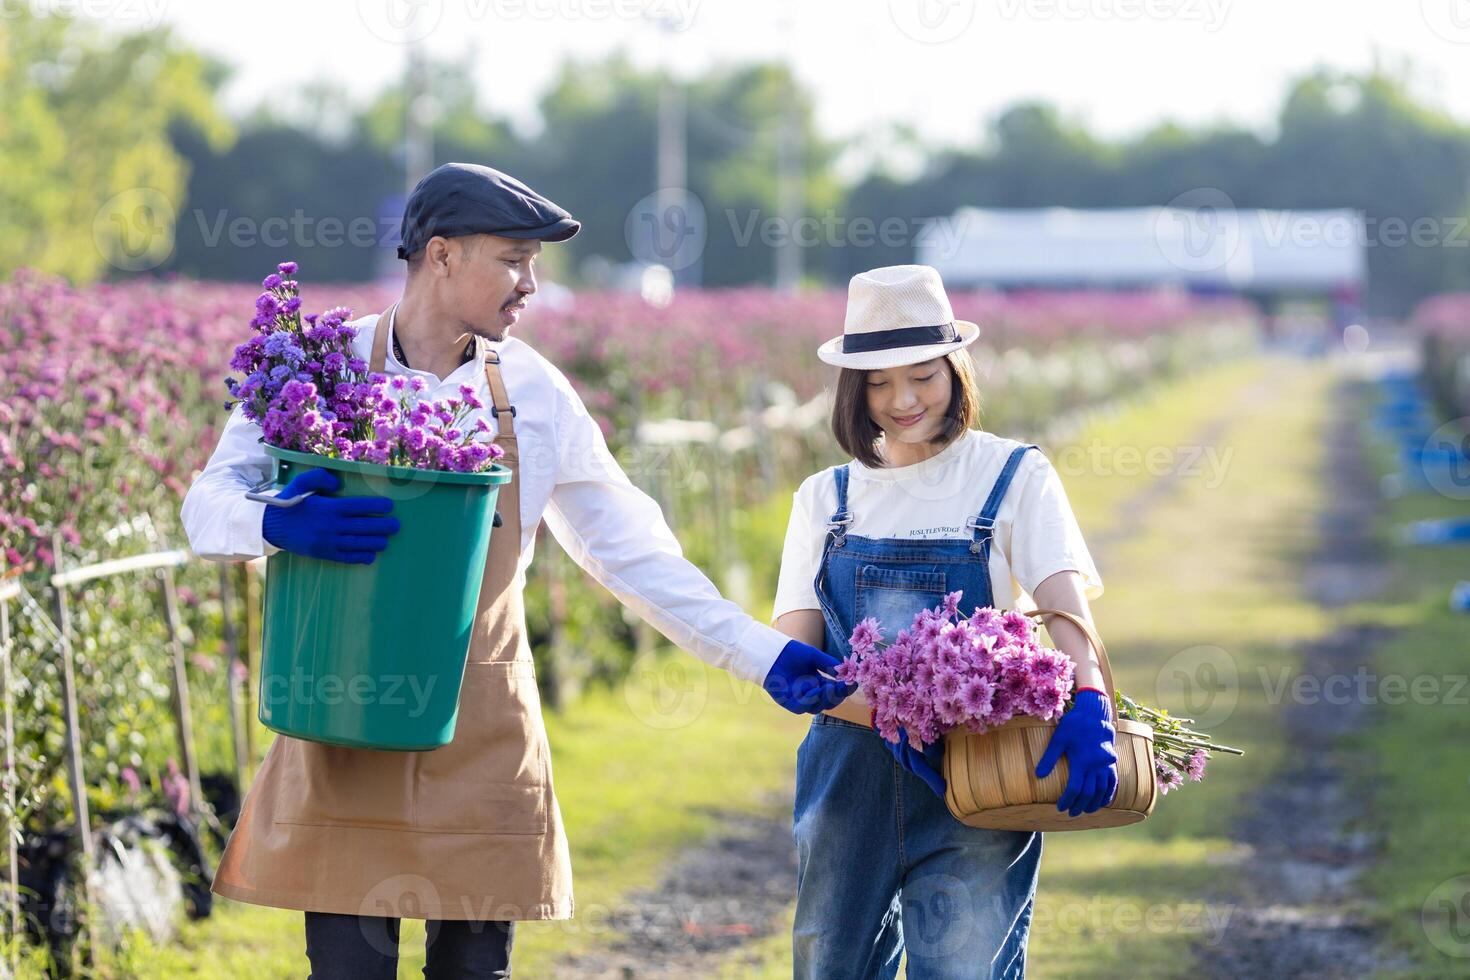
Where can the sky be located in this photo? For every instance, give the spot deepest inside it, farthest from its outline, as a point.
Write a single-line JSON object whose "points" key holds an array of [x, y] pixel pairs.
{"points": [[945, 67]]}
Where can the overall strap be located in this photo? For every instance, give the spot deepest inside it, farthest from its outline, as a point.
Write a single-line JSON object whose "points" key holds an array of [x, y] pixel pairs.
{"points": [[983, 526], [842, 517]]}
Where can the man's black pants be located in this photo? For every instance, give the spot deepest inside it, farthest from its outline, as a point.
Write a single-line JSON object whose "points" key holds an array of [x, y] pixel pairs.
{"points": [[365, 947]]}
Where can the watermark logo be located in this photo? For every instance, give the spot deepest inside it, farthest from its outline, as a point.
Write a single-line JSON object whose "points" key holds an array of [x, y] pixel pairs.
{"points": [[1200, 682], [1445, 917], [937, 918], [1199, 230], [1210, 13], [1448, 19], [1445, 459], [666, 692], [134, 230], [932, 21], [400, 21], [667, 228], [144, 14]]}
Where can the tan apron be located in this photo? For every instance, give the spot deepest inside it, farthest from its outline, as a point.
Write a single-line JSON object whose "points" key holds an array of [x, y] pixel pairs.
{"points": [[467, 831]]}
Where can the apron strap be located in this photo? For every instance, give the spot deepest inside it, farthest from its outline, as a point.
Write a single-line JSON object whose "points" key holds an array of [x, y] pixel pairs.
{"points": [[380, 339], [982, 527], [504, 411]]}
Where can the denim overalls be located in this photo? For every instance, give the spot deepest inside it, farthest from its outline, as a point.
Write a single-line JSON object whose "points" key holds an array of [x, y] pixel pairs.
{"points": [[883, 867]]}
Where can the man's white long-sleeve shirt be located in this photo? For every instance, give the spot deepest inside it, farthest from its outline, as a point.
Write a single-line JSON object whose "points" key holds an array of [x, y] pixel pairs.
{"points": [[567, 476]]}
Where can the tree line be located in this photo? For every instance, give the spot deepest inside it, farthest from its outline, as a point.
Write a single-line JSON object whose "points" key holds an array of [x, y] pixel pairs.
{"points": [[120, 161]]}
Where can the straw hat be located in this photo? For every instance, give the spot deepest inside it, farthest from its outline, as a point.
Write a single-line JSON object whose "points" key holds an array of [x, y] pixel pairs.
{"points": [[896, 315]]}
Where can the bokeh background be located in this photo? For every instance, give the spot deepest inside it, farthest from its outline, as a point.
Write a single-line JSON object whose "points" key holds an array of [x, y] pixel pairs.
{"points": [[1220, 254]]}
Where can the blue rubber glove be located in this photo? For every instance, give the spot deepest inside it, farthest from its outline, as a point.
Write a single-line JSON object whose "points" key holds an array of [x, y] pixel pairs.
{"points": [[345, 529], [795, 680], [1085, 737], [926, 764]]}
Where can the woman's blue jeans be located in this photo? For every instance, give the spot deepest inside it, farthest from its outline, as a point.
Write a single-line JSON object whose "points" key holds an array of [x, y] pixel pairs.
{"points": [[884, 869]]}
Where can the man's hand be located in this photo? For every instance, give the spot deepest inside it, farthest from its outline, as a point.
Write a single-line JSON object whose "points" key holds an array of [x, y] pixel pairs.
{"points": [[796, 680], [345, 529], [1085, 737]]}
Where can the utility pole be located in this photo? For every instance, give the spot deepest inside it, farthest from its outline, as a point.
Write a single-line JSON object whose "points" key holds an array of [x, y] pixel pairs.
{"points": [[672, 162], [789, 154], [418, 124]]}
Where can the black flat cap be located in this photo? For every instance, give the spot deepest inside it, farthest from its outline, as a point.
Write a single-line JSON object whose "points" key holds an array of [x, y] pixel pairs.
{"points": [[468, 199]]}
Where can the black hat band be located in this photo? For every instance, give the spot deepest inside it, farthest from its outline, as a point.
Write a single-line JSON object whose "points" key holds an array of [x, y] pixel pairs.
{"points": [[861, 343]]}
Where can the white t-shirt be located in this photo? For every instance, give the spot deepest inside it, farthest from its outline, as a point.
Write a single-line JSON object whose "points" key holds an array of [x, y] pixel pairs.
{"points": [[1036, 534]]}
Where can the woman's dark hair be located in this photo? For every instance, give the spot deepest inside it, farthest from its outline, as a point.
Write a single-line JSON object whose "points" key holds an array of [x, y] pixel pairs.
{"points": [[858, 434]]}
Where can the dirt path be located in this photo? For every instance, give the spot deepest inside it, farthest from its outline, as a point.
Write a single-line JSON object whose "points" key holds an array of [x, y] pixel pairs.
{"points": [[1297, 911], [728, 891]]}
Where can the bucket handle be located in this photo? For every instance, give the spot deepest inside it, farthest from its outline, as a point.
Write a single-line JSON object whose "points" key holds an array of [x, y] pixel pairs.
{"points": [[255, 493]]}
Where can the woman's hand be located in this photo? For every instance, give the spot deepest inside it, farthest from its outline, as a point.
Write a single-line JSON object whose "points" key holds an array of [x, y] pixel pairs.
{"points": [[927, 764], [1085, 736]]}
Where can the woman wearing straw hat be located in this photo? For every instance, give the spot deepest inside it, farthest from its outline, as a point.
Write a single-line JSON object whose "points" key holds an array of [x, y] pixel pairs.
{"points": [[928, 505]]}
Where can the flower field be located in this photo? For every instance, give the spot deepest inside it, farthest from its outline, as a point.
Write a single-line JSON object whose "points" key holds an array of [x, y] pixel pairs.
{"points": [[110, 399]]}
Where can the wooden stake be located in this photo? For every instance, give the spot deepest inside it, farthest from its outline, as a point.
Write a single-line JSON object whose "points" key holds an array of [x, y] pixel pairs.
{"points": [[232, 685], [183, 720], [11, 828], [247, 647], [74, 742]]}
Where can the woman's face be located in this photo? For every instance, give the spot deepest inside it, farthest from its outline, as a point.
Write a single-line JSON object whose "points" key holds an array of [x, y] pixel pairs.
{"points": [[909, 403]]}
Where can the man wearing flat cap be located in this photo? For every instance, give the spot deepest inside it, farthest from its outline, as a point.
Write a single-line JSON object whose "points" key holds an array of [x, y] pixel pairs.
{"points": [[468, 836]]}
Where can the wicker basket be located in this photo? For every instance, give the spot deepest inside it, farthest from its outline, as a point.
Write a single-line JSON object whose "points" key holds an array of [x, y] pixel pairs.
{"points": [[992, 777]]}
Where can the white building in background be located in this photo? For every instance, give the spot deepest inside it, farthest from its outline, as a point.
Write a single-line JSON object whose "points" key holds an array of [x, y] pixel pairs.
{"points": [[1209, 247]]}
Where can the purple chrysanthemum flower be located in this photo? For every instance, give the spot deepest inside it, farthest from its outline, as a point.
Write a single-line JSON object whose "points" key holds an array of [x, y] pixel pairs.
{"points": [[865, 636]]}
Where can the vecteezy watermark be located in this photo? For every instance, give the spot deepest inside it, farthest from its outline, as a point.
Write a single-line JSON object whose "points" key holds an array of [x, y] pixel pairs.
{"points": [[1203, 231], [145, 14], [1199, 230], [1200, 682], [329, 689], [1448, 19], [1445, 917], [134, 229], [295, 230], [938, 915], [410, 21], [1204, 683], [1445, 459], [932, 21], [666, 692], [1210, 13], [1102, 916], [667, 228], [940, 236], [1364, 687], [1099, 458]]}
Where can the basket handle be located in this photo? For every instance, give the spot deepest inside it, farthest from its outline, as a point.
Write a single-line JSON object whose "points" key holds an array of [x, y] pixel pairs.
{"points": [[1092, 637]]}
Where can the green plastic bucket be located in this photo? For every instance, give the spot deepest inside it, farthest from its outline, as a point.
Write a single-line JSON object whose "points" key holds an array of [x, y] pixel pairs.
{"points": [[372, 656]]}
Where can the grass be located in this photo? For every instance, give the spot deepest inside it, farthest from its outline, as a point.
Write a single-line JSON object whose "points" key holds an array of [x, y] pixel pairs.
{"points": [[1200, 602], [1210, 578], [1420, 787]]}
